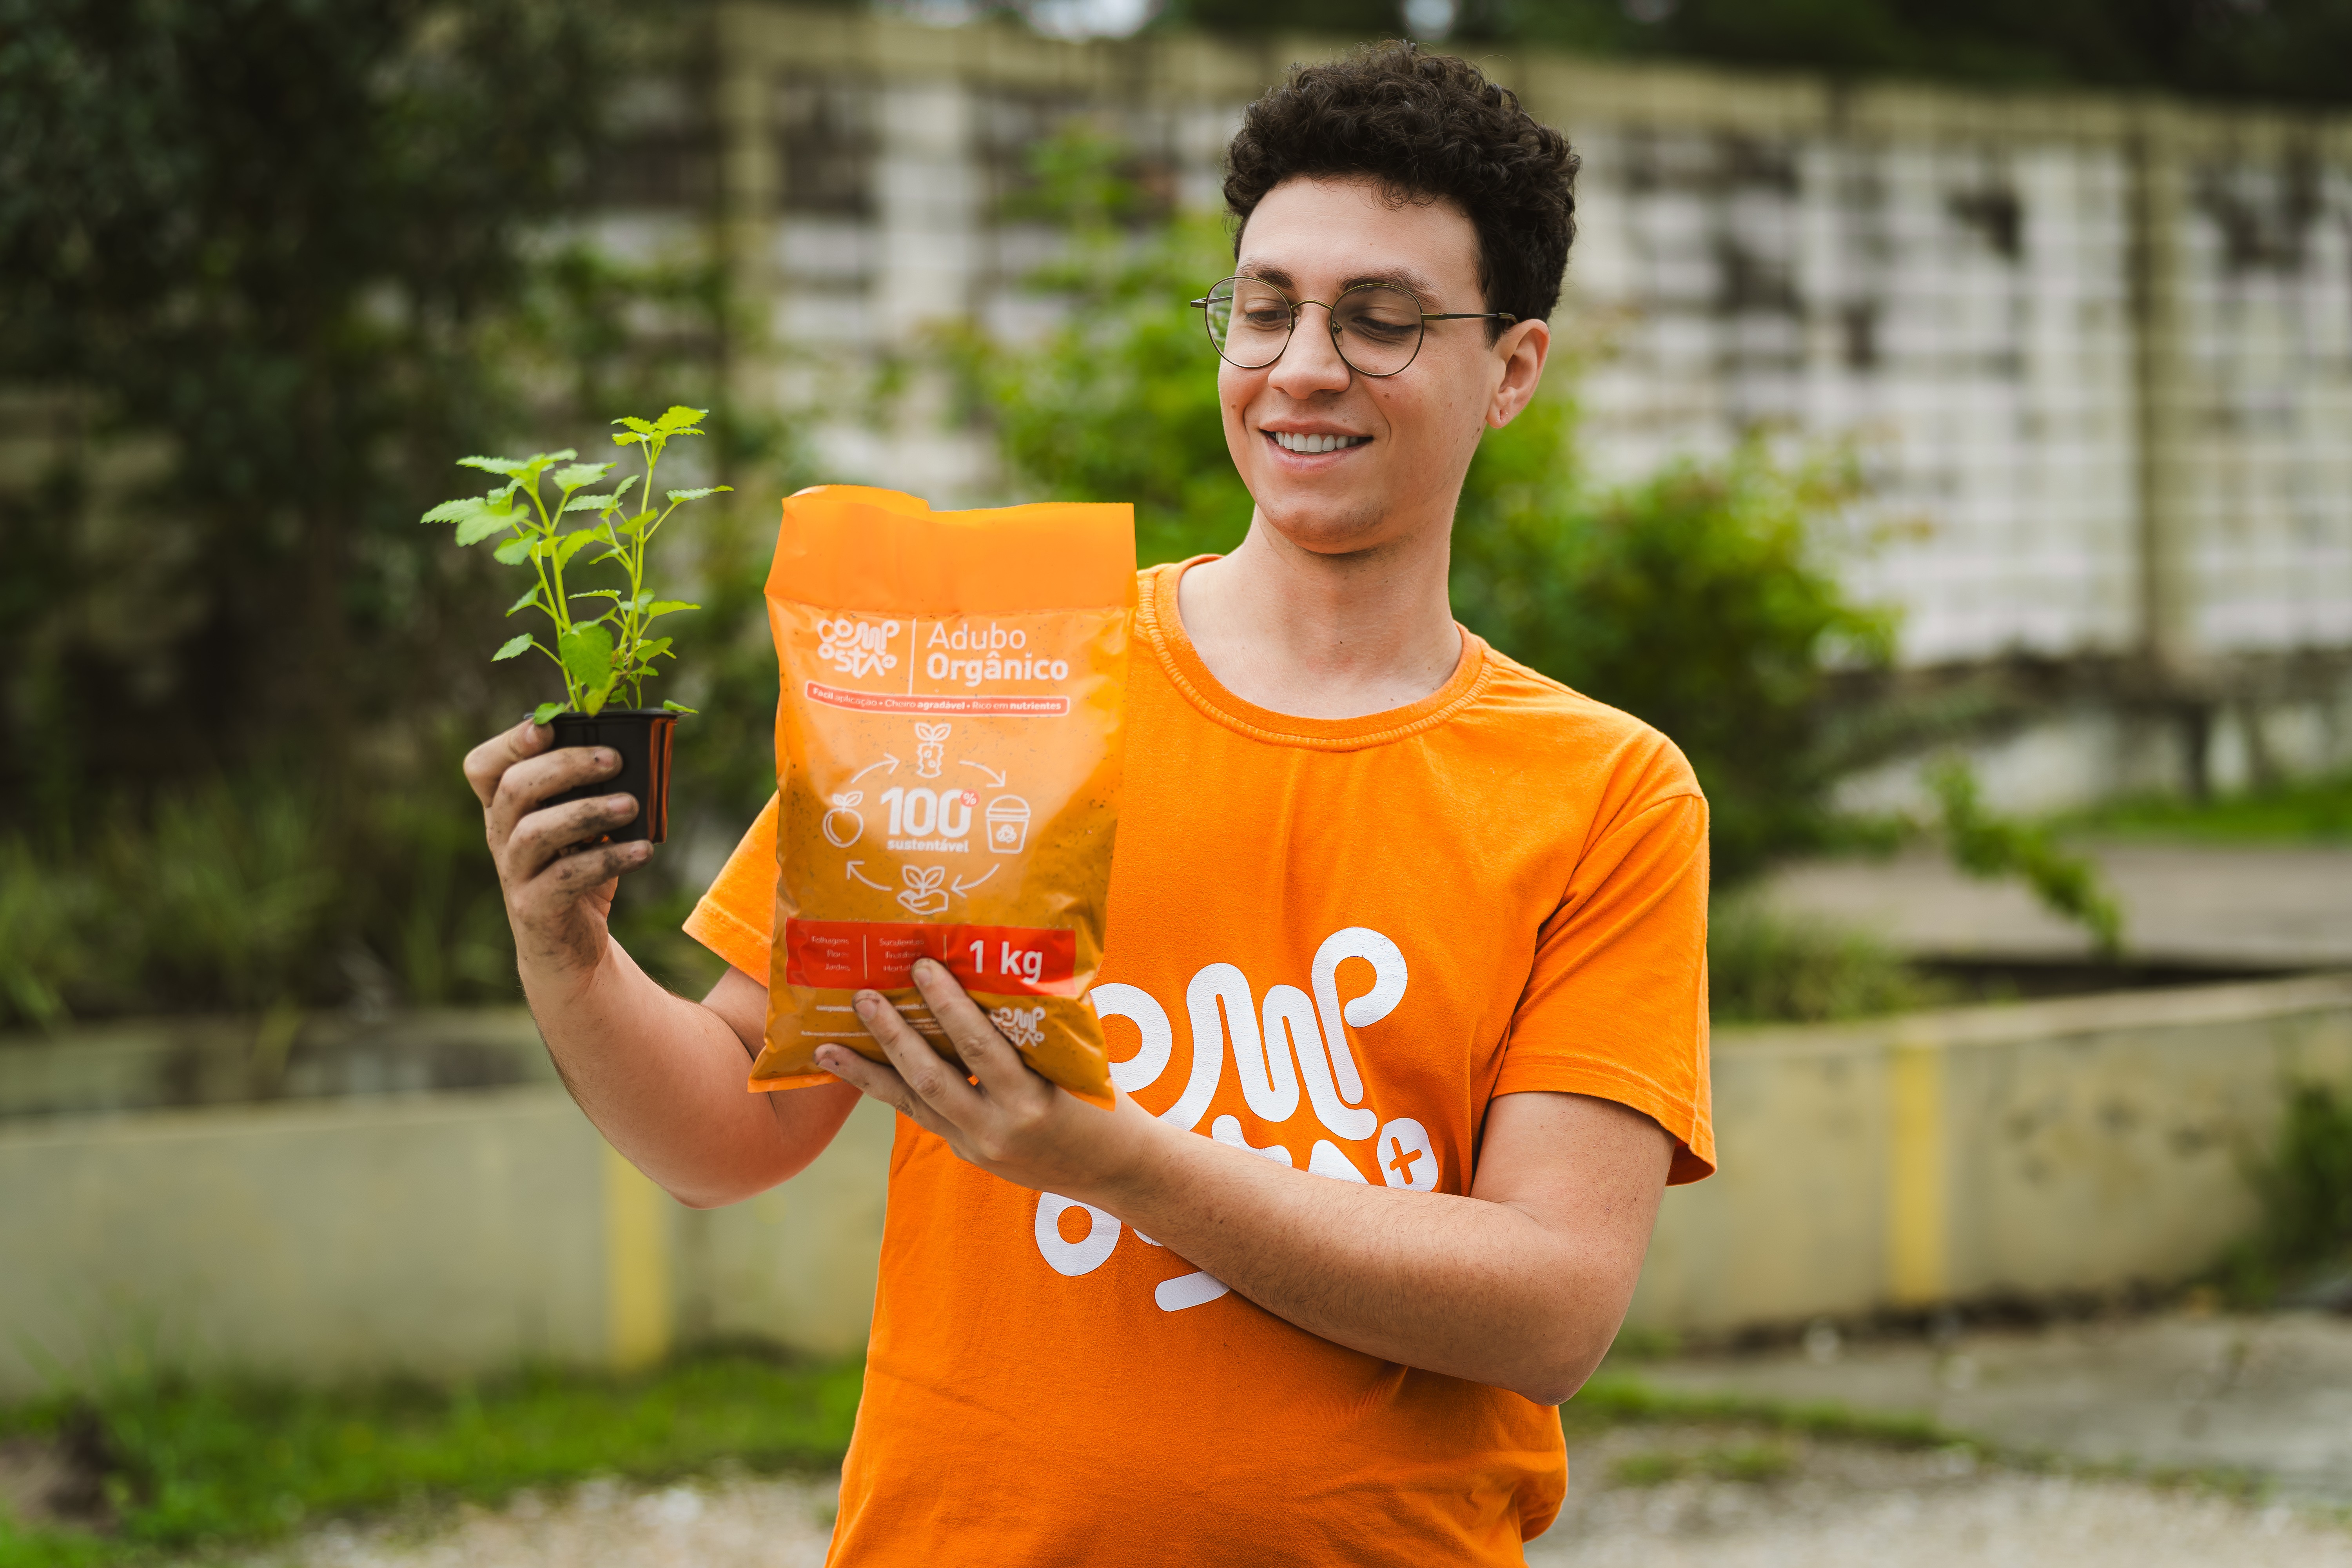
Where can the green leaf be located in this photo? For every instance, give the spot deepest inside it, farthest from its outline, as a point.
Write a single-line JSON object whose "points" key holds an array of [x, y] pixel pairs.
{"points": [[513, 647], [487, 521], [578, 474], [587, 655], [592, 504], [697, 495], [679, 706], [572, 544], [526, 602], [594, 703], [456, 511], [642, 426], [515, 551], [595, 593], [681, 420], [545, 712], [493, 465], [664, 606], [652, 649]]}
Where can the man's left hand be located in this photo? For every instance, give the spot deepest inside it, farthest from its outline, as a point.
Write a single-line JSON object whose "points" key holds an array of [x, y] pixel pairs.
{"points": [[1010, 1122]]}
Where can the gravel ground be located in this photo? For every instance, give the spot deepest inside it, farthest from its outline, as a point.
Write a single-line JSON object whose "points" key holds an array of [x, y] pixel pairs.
{"points": [[1655, 1497]]}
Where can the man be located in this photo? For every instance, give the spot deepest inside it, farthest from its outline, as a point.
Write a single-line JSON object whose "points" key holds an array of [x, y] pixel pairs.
{"points": [[1332, 1329]]}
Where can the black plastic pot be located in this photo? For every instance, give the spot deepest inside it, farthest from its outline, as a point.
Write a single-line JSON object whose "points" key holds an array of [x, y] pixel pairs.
{"points": [[642, 736]]}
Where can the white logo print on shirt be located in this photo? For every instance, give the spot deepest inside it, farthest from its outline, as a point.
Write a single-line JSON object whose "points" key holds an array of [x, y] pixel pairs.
{"points": [[1287, 1048]]}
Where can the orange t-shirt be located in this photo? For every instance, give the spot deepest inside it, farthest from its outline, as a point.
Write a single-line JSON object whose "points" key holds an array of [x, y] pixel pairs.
{"points": [[1334, 941]]}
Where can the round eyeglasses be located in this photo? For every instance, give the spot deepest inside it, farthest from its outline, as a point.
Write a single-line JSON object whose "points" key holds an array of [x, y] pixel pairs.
{"points": [[1376, 328]]}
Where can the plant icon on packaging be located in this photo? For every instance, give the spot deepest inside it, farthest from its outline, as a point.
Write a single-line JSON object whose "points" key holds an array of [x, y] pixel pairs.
{"points": [[842, 823], [1008, 825]]}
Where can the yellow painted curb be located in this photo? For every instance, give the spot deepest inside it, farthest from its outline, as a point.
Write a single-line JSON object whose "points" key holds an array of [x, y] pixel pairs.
{"points": [[639, 1323], [1919, 1200]]}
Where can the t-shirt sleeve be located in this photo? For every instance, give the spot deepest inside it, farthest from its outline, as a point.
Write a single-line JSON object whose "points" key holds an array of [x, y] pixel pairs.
{"points": [[737, 918], [1615, 1005]]}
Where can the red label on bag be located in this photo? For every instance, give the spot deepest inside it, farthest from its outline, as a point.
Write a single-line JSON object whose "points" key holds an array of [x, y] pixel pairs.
{"points": [[1005, 961]]}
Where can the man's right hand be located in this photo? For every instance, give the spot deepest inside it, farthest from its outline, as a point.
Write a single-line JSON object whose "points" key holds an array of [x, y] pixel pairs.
{"points": [[559, 893]]}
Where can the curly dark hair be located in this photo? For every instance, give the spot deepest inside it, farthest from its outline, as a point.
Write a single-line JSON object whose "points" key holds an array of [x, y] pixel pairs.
{"points": [[1425, 126]]}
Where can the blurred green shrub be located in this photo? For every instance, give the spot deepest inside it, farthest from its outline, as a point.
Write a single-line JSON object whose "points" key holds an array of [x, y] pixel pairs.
{"points": [[246, 894], [1991, 847], [1696, 600], [1764, 966], [1120, 402], [2304, 1185]]}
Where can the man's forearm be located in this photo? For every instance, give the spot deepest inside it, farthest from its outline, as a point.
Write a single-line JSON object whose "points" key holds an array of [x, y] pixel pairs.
{"points": [[662, 1078], [1468, 1286], [1521, 1284]]}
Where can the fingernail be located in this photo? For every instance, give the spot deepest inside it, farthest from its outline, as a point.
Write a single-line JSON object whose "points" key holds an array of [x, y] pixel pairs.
{"points": [[867, 1003], [924, 967], [642, 849], [605, 759]]}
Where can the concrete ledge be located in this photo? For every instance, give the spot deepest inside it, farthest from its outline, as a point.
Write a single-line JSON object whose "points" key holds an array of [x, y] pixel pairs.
{"points": [[2080, 1145], [440, 1234], [2083, 1144]]}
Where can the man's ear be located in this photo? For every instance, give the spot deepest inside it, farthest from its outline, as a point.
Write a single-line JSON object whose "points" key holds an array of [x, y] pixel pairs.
{"points": [[1523, 350]]}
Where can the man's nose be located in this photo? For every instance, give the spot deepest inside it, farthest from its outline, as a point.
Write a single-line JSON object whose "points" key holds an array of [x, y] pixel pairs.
{"points": [[1310, 362]]}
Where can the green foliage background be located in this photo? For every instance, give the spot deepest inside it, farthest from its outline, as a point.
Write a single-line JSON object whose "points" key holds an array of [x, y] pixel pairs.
{"points": [[2292, 50], [1698, 600], [267, 267]]}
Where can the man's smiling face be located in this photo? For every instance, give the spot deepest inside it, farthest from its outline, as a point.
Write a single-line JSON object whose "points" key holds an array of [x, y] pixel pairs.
{"points": [[1340, 462]]}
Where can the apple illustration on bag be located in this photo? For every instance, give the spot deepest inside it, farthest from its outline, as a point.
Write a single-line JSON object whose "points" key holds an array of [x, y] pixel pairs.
{"points": [[842, 823]]}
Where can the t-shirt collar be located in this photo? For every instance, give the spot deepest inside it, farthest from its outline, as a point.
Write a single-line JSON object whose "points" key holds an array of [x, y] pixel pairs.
{"points": [[1161, 625]]}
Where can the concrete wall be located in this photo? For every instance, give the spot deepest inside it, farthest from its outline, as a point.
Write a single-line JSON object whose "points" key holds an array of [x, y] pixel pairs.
{"points": [[2095, 351], [2075, 1145], [438, 1234]]}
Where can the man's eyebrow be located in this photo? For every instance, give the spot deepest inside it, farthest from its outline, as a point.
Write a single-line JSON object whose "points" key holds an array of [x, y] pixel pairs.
{"points": [[1274, 275], [1403, 278]]}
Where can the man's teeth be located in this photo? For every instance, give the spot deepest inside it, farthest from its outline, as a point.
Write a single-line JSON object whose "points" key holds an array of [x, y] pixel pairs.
{"points": [[1289, 442]]}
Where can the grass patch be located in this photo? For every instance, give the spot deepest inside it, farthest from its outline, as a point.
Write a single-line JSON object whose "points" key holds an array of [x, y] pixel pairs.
{"points": [[2307, 811], [1752, 1462], [1768, 967], [199, 1464], [1614, 1399]]}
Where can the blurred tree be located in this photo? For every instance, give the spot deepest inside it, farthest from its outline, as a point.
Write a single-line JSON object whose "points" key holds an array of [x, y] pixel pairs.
{"points": [[1129, 357], [248, 251], [2291, 50], [1695, 600], [2295, 50]]}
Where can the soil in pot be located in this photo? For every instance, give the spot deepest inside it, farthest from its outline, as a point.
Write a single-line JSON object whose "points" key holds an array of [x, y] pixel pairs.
{"points": [[642, 736]]}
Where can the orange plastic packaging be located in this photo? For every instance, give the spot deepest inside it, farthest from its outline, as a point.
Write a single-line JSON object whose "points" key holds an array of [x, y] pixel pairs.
{"points": [[947, 754]]}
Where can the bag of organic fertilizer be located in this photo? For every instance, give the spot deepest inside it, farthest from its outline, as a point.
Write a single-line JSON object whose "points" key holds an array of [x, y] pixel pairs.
{"points": [[947, 754]]}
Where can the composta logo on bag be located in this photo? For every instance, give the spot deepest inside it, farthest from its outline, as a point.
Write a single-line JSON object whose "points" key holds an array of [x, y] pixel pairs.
{"points": [[856, 647]]}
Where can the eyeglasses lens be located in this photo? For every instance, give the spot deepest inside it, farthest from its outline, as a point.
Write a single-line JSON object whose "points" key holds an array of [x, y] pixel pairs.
{"points": [[1380, 329], [1250, 322]]}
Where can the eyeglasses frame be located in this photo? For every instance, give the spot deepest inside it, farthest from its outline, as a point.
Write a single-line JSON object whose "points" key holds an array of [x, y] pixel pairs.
{"points": [[1331, 314]]}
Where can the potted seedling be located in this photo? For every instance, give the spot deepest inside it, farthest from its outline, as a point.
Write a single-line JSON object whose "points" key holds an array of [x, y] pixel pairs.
{"points": [[610, 654]]}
